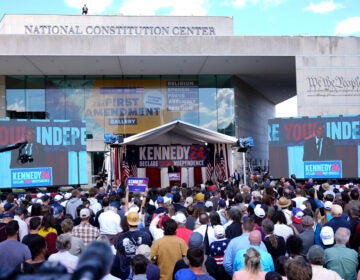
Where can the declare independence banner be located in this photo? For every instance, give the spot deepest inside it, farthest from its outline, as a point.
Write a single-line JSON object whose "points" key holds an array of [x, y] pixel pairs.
{"points": [[164, 155]]}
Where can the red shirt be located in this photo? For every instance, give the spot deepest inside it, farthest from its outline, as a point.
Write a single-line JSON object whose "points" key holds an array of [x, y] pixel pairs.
{"points": [[183, 233]]}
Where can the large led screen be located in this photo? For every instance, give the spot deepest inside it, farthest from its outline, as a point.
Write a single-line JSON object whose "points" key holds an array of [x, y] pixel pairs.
{"points": [[315, 147], [42, 153]]}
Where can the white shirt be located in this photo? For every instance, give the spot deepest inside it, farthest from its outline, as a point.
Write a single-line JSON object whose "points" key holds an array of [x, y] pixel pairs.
{"points": [[288, 216], [283, 230], [94, 204], [202, 230], [66, 259], [109, 221], [156, 232], [23, 227], [299, 201], [320, 273]]}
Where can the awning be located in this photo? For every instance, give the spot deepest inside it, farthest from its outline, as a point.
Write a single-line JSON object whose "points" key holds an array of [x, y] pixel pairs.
{"points": [[178, 132]]}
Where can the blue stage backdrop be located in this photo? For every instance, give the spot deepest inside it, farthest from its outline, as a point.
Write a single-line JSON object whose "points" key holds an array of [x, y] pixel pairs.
{"points": [[41, 153], [315, 147]]}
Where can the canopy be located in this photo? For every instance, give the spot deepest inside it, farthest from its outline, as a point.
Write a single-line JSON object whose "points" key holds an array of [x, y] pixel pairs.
{"points": [[178, 132]]}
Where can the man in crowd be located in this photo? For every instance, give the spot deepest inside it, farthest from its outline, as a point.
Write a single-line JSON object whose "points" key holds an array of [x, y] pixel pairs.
{"points": [[109, 222], [239, 243], [73, 203], [181, 231], [84, 230], [341, 259], [12, 252], [266, 260], [19, 217], [127, 244], [166, 251], [316, 257], [338, 220]]}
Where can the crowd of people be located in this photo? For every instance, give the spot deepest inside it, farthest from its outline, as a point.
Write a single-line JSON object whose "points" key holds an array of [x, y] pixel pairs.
{"points": [[269, 229]]}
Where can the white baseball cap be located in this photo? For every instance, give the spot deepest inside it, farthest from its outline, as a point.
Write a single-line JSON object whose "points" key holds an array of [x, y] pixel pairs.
{"points": [[327, 235]]}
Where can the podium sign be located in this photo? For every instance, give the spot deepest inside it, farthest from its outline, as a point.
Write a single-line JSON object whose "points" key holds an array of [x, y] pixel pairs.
{"points": [[174, 176]]}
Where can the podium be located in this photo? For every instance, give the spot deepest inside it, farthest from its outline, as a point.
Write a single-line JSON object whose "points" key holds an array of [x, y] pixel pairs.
{"points": [[174, 178]]}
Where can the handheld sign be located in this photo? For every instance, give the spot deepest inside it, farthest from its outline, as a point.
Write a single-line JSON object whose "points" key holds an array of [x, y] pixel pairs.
{"points": [[137, 184]]}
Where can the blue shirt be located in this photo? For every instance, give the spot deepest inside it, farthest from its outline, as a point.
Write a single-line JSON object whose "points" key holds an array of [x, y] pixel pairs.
{"points": [[236, 244], [266, 261]]}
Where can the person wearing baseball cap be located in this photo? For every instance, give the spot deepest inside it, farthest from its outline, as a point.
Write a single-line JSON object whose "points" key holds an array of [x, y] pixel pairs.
{"points": [[85, 230], [181, 231], [199, 198], [308, 233], [327, 237], [128, 242], [160, 208], [188, 201]]}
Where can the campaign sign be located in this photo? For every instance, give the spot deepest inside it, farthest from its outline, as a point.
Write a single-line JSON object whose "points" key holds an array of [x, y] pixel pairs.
{"points": [[137, 184], [175, 176], [31, 177], [323, 169]]}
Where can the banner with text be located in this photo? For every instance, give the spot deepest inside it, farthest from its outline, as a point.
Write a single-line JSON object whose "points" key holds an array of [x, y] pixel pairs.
{"points": [[133, 106], [137, 184], [165, 155], [36, 153]]}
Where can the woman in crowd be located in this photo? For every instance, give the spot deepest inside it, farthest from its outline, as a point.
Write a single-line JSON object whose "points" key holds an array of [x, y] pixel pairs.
{"points": [[252, 270]]}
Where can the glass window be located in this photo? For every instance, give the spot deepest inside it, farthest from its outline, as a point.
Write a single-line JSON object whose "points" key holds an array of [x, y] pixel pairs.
{"points": [[124, 104]]}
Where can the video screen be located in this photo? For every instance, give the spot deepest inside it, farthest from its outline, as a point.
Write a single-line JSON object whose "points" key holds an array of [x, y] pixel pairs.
{"points": [[315, 147], [42, 153]]}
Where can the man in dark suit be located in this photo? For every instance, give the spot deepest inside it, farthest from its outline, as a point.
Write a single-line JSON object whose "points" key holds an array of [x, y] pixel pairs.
{"points": [[30, 154], [319, 147], [236, 176], [172, 168]]}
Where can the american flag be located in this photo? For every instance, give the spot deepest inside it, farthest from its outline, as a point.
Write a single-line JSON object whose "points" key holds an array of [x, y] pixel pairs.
{"points": [[133, 169], [220, 165], [217, 165], [125, 171], [209, 171]]}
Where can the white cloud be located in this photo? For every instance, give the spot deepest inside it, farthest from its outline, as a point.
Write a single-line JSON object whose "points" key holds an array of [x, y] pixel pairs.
{"points": [[349, 26], [272, 2], [323, 7], [175, 8], [239, 3], [262, 3], [94, 6]]}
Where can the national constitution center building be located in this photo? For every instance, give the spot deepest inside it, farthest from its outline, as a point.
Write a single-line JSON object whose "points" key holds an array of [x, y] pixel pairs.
{"points": [[127, 74]]}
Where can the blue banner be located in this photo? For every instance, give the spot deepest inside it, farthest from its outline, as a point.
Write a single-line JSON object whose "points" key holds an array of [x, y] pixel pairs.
{"points": [[137, 184], [323, 169], [27, 146], [31, 177], [296, 144]]}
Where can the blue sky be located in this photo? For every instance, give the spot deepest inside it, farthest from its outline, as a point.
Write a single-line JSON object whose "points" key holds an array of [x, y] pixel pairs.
{"points": [[251, 17]]}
